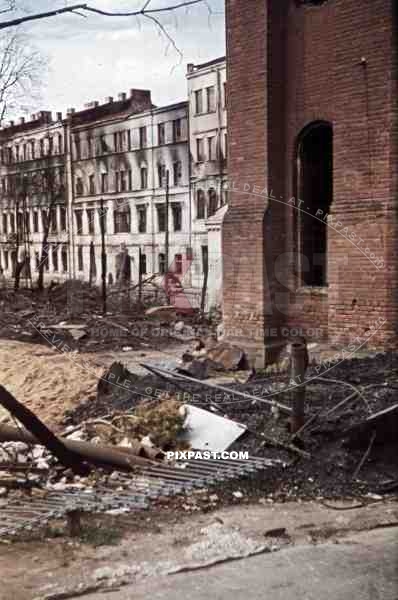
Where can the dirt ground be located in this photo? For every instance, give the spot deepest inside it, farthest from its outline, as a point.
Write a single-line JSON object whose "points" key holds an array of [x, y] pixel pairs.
{"points": [[38, 569]]}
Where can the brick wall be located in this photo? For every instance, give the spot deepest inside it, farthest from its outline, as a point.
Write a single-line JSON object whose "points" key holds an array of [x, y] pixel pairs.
{"points": [[287, 67]]}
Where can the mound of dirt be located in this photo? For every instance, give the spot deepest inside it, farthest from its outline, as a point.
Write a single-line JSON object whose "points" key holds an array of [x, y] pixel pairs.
{"points": [[47, 381]]}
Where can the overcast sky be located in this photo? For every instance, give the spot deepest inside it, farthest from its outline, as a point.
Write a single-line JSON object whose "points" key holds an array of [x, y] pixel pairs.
{"points": [[94, 57]]}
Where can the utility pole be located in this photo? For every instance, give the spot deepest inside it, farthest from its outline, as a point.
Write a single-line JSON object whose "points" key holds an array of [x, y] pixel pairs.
{"points": [[167, 243], [103, 255]]}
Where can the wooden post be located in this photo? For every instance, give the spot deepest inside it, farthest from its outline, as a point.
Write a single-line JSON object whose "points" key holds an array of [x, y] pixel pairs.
{"points": [[103, 255], [298, 367]]}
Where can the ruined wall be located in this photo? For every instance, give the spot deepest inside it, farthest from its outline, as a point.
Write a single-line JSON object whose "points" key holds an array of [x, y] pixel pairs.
{"points": [[290, 65]]}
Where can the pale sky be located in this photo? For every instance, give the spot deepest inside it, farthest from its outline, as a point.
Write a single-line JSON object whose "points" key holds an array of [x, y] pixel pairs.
{"points": [[94, 57]]}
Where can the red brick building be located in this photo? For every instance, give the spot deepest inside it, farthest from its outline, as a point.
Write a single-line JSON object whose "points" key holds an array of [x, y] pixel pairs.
{"points": [[313, 122]]}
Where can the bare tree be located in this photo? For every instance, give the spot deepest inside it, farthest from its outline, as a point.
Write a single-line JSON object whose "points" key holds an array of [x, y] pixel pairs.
{"points": [[21, 73]]}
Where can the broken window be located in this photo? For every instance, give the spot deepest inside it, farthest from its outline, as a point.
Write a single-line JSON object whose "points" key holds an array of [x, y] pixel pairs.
{"points": [[104, 182], [121, 218], [211, 98], [128, 133], [200, 204], [62, 219], [130, 179], [123, 180], [53, 220], [144, 178], [35, 221], [178, 263], [162, 263], [177, 216], [141, 213], [161, 211], [79, 221], [143, 268], [143, 140], [54, 257], [315, 188], [79, 186], [80, 258], [177, 173], [161, 134], [64, 259], [212, 202], [198, 102], [199, 150], [176, 130], [118, 141], [90, 221], [210, 147], [91, 184], [162, 175]]}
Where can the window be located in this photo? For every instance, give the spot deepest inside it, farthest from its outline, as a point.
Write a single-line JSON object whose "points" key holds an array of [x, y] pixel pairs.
{"points": [[79, 221], [210, 147], [205, 259], [210, 99], [90, 221], [102, 144], [178, 263], [177, 173], [54, 257], [144, 178], [41, 146], [79, 186], [121, 218], [80, 258], [162, 263], [161, 210], [27, 221], [78, 151], [91, 183], [35, 221], [161, 134], [117, 181], [3, 185], [32, 149], [143, 264], [198, 102], [89, 147], [225, 94], [6, 264], [212, 202], [225, 146], [60, 144], [25, 152], [103, 218], [141, 214], [128, 133], [123, 180], [50, 146], [62, 219], [200, 204], [118, 141], [104, 182], [143, 140], [53, 220], [162, 175], [176, 130], [130, 179], [64, 259], [177, 216], [315, 186], [5, 222], [199, 150]]}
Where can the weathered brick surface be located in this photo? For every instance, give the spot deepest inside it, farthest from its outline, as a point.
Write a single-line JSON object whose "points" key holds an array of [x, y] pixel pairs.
{"points": [[287, 67]]}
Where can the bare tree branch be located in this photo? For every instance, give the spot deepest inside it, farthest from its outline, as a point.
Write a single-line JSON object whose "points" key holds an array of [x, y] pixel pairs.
{"points": [[144, 11]]}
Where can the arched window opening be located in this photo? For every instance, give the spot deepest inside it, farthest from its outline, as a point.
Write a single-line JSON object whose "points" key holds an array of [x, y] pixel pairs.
{"points": [[315, 189]]}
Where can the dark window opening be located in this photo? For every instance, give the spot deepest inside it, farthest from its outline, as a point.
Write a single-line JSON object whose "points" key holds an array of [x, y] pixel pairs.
{"points": [[121, 217], [178, 264], [144, 178], [315, 188], [90, 220], [143, 268], [213, 200], [79, 222], [162, 263], [177, 216], [200, 205], [141, 210], [161, 210], [64, 259], [80, 258]]}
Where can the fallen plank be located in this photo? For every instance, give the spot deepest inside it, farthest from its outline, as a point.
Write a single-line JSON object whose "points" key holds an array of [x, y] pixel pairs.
{"points": [[173, 375], [42, 433]]}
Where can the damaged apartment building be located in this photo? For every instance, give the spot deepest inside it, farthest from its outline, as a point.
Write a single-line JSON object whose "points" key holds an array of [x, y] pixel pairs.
{"points": [[112, 169]]}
